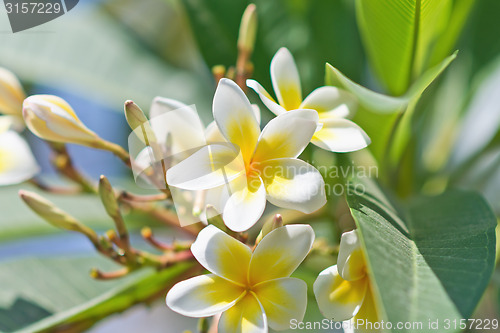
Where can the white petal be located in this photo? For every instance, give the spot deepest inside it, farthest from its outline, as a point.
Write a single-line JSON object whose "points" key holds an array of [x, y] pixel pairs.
{"points": [[325, 99], [245, 205], [211, 166], [268, 101], [221, 254], [294, 184], [203, 296], [213, 134], [162, 105], [247, 316], [178, 121], [286, 80], [337, 298], [235, 117], [286, 135], [17, 163], [340, 135], [280, 252], [341, 111], [283, 300], [256, 112], [351, 263]]}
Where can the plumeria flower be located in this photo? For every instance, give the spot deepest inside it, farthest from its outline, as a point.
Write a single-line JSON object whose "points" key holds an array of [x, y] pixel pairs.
{"points": [[178, 132], [336, 134], [253, 290], [254, 165], [343, 291], [17, 163]]}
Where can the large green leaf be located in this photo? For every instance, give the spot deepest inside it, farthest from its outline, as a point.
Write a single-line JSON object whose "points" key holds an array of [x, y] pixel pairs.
{"points": [[429, 261], [381, 103], [44, 294], [84, 51], [379, 113], [398, 35]]}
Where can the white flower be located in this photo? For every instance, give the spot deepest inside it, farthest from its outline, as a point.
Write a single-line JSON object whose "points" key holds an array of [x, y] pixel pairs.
{"points": [[253, 290], [17, 163], [343, 291], [254, 165], [336, 134]]}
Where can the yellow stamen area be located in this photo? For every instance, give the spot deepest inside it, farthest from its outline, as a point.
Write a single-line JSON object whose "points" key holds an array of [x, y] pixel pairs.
{"points": [[356, 263], [242, 133], [290, 96], [348, 292]]}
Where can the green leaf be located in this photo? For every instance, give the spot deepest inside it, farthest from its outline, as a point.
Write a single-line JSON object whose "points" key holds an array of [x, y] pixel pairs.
{"points": [[431, 260], [45, 294], [381, 103], [398, 36], [93, 57]]}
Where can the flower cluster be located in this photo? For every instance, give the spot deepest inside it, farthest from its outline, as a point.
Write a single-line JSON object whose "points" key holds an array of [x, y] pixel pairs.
{"points": [[236, 164]]}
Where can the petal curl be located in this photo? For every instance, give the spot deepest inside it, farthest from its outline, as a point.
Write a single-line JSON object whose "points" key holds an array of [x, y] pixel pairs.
{"points": [[337, 298], [351, 263]]}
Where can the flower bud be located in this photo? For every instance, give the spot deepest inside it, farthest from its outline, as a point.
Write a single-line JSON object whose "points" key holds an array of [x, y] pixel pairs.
{"points": [[136, 119], [108, 197], [11, 94], [52, 118], [54, 215], [274, 223], [248, 29]]}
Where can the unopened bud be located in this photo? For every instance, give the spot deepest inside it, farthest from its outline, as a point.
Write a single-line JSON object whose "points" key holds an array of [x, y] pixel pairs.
{"points": [[134, 114], [139, 123], [248, 29], [54, 215], [11, 93], [108, 197], [275, 223], [53, 119]]}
